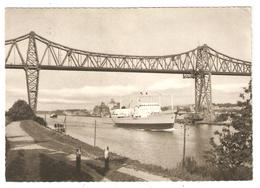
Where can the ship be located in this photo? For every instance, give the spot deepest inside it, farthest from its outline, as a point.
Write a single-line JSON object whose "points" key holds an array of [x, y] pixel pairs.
{"points": [[144, 116], [53, 115]]}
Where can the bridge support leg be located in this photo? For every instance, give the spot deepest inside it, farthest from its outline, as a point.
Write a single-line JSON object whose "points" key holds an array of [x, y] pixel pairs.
{"points": [[32, 72], [203, 95]]}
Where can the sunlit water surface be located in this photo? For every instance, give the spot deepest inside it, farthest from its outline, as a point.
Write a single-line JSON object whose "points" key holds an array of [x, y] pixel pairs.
{"points": [[163, 148]]}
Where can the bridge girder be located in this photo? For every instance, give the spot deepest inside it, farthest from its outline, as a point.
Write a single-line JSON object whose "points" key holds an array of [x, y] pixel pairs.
{"points": [[59, 57], [199, 63]]}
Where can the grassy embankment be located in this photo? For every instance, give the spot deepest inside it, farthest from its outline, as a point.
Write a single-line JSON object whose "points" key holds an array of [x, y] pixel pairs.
{"points": [[41, 134], [43, 165], [52, 169]]}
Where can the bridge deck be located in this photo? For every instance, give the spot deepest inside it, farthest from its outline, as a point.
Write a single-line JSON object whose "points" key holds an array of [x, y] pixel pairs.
{"points": [[67, 68]]}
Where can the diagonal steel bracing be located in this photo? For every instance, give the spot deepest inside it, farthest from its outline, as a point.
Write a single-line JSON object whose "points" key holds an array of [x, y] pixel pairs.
{"points": [[199, 63], [58, 57], [32, 72], [203, 95]]}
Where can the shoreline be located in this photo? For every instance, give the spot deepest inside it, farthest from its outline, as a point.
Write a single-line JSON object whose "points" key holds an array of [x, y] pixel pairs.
{"points": [[49, 138]]}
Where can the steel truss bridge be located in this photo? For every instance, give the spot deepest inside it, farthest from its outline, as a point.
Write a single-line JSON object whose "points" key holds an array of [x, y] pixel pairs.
{"points": [[33, 53]]}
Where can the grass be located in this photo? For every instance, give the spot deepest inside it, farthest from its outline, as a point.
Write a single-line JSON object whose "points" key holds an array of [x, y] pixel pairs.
{"points": [[56, 170], [51, 170], [52, 166], [17, 168], [61, 142], [69, 144], [57, 141], [175, 174]]}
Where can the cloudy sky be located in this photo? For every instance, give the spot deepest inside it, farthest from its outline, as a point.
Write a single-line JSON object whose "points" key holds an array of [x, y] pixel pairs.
{"points": [[129, 31]]}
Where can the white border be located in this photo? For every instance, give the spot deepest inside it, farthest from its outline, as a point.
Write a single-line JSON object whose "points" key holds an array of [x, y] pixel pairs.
{"points": [[138, 3]]}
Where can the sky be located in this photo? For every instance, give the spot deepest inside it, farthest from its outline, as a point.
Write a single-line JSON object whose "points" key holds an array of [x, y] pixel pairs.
{"points": [[135, 31]]}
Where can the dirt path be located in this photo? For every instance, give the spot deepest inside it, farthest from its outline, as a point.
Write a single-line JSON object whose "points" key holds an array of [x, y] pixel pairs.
{"points": [[143, 175], [26, 160], [14, 133]]}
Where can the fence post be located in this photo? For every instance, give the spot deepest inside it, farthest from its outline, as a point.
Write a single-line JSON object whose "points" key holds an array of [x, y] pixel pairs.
{"points": [[78, 160], [65, 125], [95, 133], [184, 145]]}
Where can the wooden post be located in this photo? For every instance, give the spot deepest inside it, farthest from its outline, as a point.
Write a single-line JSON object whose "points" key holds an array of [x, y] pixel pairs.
{"points": [[184, 145], [65, 125], [95, 133], [78, 160]]}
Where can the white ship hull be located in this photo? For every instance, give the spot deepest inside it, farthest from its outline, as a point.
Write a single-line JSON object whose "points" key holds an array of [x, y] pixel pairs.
{"points": [[155, 121]]}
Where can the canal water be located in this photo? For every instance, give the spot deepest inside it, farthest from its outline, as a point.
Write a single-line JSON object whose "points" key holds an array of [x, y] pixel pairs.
{"points": [[163, 148]]}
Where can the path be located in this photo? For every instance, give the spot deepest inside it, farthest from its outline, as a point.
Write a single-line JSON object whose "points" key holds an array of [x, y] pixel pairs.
{"points": [[21, 141], [142, 175], [15, 134]]}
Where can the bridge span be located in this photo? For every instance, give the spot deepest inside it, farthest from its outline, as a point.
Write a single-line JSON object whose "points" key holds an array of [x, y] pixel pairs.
{"points": [[199, 64]]}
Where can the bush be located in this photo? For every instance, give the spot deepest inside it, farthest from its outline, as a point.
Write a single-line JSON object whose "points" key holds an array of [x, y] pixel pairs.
{"points": [[22, 111], [231, 155], [239, 173], [222, 117]]}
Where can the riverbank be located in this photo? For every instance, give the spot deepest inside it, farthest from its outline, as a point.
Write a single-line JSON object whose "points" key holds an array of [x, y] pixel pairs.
{"points": [[56, 156]]}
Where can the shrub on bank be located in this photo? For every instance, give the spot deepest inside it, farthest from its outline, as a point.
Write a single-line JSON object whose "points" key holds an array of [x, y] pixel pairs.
{"points": [[227, 174], [192, 169], [22, 111], [231, 153]]}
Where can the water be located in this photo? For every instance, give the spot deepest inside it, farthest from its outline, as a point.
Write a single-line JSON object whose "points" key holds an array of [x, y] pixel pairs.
{"points": [[163, 148]]}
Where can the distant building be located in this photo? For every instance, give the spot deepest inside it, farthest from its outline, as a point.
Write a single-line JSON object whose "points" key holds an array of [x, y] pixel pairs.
{"points": [[113, 105], [101, 110]]}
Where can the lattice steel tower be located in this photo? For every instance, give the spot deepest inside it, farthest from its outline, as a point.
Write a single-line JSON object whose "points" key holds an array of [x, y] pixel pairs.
{"points": [[203, 95], [32, 72]]}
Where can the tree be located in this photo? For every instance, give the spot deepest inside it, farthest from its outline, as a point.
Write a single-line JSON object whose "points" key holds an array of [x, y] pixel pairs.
{"points": [[112, 101], [101, 110], [20, 111], [222, 117], [231, 153], [104, 109], [97, 110]]}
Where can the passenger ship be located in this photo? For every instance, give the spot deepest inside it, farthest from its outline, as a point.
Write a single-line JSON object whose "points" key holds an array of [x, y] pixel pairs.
{"points": [[143, 116]]}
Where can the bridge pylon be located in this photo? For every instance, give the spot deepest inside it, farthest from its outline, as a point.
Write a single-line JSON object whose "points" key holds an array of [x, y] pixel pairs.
{"points": [[203, 94], [32, 72]]}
